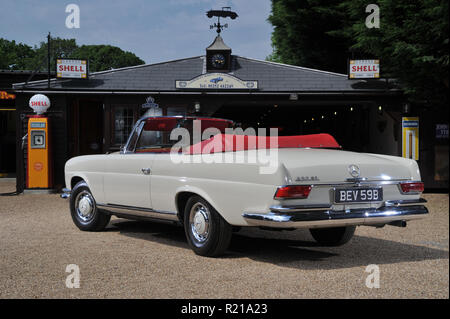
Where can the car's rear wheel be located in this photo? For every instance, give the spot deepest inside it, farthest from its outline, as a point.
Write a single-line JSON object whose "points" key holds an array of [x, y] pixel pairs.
{"points": [[84, 211], [336, 236], [207, 233]]}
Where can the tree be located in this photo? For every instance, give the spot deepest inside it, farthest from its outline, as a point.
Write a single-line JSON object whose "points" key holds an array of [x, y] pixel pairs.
{"points": [[59, 48], [20, 56], [105, 57], [300, 35], [412, 44], [15, 56], [412, 41]]}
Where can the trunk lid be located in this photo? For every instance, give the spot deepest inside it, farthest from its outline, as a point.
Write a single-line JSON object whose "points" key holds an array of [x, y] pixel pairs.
{"points": [[330, 166]]}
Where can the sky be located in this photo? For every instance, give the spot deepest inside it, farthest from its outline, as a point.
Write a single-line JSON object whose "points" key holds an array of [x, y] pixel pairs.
{"points": [[154, 30]]}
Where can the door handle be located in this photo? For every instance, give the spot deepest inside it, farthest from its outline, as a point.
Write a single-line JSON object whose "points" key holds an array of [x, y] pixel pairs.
{"points": [[146, 171]]}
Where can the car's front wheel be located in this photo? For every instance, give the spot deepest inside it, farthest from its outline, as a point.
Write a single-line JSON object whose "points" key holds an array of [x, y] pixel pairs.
{"points": [[336, 236], [84, 211], [208, 234]]}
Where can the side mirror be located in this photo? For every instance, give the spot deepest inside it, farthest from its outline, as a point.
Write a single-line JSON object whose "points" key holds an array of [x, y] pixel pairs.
{"points": [[122, 149]]}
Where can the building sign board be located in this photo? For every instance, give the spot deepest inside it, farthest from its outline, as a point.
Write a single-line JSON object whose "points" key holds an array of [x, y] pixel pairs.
{"points": [[442, 131], [410, 137], [216, 81], [364, 69], [7, 96], [71, 68]]}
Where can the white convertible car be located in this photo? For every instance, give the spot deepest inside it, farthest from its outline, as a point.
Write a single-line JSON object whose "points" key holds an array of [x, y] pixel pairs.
{"points": [[221, 183]]}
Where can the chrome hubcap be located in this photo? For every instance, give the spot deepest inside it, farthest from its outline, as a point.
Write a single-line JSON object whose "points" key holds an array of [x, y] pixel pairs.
{"points": [[199, 220], [85, 207]]}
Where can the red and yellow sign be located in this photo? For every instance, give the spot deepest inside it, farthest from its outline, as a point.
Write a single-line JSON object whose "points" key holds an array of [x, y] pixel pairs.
{"points": [[364, 69], [71, 68], [7, 96]]}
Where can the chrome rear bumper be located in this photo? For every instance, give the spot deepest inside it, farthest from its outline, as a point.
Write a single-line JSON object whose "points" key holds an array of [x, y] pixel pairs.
{"points": [[321, 216]]}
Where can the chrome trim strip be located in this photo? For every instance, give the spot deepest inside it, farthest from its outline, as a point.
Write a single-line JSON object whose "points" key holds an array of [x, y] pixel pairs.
{"points": [[332, 218], [299, 208], [405, 202], [364, 182], [325, 207], [138, 211], [137, 128], [357, 179]]}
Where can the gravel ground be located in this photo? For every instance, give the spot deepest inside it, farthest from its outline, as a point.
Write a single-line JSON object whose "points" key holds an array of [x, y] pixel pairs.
{"points": [[148, 260]]}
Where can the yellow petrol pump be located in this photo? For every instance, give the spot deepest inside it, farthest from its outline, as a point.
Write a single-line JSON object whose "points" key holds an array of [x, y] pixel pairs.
{"points": [[39, 168]]}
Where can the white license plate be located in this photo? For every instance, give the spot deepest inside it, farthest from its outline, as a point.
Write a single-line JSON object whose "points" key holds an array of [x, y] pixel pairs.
{"points": [[358, 195]]}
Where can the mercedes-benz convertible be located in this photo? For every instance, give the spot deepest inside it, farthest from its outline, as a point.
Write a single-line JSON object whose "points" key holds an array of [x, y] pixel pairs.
{"points": [[213, 178]]}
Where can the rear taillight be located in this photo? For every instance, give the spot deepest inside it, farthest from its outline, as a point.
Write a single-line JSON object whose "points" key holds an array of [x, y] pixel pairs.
{"points": [[298, 191], [412, 188]]}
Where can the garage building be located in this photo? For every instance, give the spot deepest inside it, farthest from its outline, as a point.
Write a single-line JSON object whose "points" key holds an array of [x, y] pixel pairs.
{"points": [[95, 115]]}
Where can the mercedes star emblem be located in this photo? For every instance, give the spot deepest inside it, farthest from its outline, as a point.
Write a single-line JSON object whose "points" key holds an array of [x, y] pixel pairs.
{"points": [[354, 170]]}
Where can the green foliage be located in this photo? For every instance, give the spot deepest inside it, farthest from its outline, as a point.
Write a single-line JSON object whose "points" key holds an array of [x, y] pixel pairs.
{"points": [[105, 57], [59, 48], [20, 56], [412, 41], [300, 35], [15, 56]]}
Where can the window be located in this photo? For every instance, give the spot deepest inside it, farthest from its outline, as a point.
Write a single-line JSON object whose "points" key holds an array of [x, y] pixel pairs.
{"points": [[176, 110], [123, 120], [155, 135]]}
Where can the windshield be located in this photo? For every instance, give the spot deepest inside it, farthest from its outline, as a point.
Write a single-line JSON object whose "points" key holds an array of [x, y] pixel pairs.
{"points": [[155, 135]]}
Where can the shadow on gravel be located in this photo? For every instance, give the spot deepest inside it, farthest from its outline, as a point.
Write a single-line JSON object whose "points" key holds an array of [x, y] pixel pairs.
{"points": [[360, 251], [301, 254], [151, 231]]}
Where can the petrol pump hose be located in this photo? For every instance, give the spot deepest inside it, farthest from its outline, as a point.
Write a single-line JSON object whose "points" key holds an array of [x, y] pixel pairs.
{"points": [[10, 194]]}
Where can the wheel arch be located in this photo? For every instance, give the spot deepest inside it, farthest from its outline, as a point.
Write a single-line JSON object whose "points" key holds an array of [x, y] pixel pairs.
{"points": [[75, 180], [183, 196]]}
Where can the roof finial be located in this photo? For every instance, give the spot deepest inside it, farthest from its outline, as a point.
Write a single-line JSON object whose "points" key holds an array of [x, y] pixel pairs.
{"points": [[224, 13]]}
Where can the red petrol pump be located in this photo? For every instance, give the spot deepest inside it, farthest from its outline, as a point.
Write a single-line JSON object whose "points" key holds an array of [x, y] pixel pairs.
{"points": [[39, 168]]}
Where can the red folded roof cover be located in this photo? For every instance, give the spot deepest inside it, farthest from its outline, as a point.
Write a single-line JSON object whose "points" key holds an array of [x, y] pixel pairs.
{"points": [[232, 143]]}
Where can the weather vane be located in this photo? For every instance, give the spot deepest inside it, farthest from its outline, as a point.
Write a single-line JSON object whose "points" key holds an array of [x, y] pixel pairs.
{"points": [[224, 13]]}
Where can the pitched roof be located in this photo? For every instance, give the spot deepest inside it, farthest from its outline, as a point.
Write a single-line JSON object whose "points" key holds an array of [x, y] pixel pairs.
{"points": [[161, 77]]}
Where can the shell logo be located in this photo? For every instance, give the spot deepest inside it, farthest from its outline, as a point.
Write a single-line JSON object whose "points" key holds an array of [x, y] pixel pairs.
{"points": [[38, 166], [39, 103]]}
